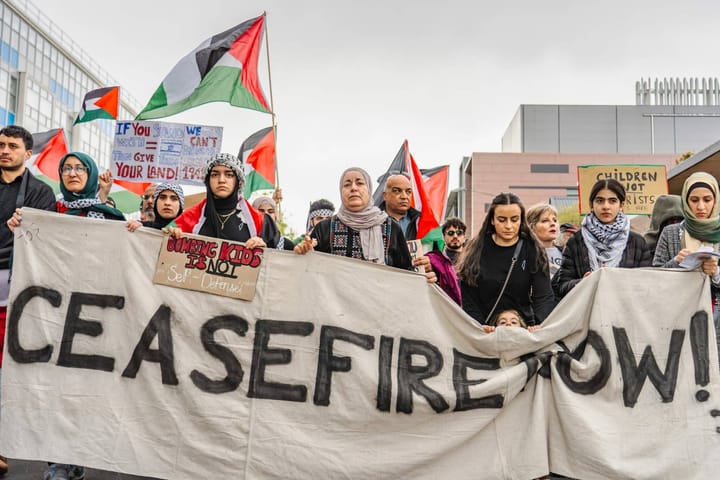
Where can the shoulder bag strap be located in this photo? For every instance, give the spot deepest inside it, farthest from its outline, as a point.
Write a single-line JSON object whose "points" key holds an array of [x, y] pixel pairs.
{"points": [[507, 278]]}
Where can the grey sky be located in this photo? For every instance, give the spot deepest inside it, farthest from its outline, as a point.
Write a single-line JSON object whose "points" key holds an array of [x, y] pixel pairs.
{"points": [[352, 80]]}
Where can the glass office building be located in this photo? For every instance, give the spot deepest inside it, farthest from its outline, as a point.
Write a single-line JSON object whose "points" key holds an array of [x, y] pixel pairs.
{"points": [[44, 77]]}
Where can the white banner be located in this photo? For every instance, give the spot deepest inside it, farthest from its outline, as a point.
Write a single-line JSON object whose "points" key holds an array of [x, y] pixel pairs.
{"points": [[343, 369]]}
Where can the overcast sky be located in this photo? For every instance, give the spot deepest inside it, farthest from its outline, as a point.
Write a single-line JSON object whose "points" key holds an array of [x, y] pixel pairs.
{"points": [[352, 80]]}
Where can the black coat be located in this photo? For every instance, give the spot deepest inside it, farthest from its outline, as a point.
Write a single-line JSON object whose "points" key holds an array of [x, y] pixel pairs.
{"points": [[576, 262]]}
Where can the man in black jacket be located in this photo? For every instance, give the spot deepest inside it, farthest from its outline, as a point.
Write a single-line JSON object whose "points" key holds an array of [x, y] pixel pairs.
{"points": [[396, 202], [18, 188]]}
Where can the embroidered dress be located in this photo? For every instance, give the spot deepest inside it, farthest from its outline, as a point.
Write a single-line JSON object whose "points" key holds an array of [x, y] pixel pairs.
{"points": [[346, 242]]}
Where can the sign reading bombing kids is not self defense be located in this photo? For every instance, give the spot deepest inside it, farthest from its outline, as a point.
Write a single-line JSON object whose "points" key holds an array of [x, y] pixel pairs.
{"points": [[210, 265], [162, 151], [642, 183]]}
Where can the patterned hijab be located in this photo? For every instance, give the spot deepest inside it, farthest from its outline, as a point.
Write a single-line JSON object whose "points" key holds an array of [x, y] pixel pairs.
{"points": [[368, 221], [85, 201], [699, 230]]}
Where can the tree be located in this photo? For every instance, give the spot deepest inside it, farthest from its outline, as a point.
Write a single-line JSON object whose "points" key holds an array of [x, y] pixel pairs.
{"points": [[683, 157]]}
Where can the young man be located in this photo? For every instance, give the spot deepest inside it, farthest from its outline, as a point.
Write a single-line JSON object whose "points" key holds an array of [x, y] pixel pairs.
{"points": [[18, 188], [454, 235]]}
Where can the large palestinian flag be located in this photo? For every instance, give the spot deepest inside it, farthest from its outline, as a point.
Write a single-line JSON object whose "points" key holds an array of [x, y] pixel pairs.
{"points": [[258, 156], [405, 163], [221, 69], [49, 148], [100, 103]]}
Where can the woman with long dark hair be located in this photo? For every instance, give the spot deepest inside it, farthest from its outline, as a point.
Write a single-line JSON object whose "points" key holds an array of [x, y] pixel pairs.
{"points": [[605, 239], [491, 281]]}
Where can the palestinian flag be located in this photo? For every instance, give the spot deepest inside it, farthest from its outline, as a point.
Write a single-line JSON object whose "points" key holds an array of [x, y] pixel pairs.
{"points": [[257, 153], [437, 181], [100, 103], [192, 219], [221, 69], [49, 147], [405, 163]]}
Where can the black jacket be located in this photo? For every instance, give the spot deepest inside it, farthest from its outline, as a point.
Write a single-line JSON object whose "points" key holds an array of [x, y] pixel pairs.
{"points": [[37, 194], [414, 215], [576, 261]]}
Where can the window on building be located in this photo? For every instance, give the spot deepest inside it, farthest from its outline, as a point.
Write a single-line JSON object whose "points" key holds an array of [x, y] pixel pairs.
{"points": [[549, 168]]}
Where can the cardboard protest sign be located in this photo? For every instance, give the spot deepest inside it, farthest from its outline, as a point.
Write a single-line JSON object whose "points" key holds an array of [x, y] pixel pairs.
{"points": [[416, 251], [210, 265], [162, 151], [326, 375], [643, 184]]}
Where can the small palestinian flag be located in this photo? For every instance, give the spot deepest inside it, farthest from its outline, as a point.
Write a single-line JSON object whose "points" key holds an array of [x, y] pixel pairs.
{"points": [[223, 68], [100, 103], [258, 156], [48, 148]]}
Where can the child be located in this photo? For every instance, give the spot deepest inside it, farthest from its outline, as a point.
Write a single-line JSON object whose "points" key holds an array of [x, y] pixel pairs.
{"points": [[508, 318]]}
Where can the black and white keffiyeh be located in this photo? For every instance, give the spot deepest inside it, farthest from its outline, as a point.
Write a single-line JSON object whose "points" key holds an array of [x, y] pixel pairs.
{"points": [[605, 242]]}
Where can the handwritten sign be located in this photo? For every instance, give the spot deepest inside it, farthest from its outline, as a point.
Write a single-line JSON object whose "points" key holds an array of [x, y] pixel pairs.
{"points": [[643, 184], [416, 251], [161, 151], [210, 265]]}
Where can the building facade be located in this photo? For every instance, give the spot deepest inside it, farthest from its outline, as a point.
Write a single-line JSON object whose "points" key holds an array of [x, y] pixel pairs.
{"points": [[544, 144], [44, 77]]}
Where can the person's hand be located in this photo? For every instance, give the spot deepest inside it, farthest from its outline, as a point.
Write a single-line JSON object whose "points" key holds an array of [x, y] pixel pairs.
{"points": [[424, 263], [14, 221], [431, 277], [255, 242], [587, 274], [682, 254], [105, 183], [532, 328], [305, 246], [709, 266], [174, 232], [133, 225], [277, 195], [488, 328]]}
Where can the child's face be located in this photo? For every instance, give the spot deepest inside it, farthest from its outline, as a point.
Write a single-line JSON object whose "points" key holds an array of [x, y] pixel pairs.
{"points": [[508, 319]]}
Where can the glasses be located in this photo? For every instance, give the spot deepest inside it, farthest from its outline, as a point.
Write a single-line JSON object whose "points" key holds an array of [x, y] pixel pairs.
{"points": [[79, 170], [452, 233]]}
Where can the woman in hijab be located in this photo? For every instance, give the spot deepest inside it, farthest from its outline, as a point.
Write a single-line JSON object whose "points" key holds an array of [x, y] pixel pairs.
{"points": [[700, 227], [167, 204], [359, 229], [267, 205], [79, 187], [605, 239], [225, 213]]}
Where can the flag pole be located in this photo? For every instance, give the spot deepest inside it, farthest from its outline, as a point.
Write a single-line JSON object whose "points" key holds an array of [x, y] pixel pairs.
{"points": [[272, 105]]}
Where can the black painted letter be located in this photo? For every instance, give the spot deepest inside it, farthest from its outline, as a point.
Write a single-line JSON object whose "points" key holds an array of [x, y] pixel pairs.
{"points": [[232, 365], [634, 374], [159, 326], [264, 356], [16, 351], [328, 362], [74, 324], [461, 364], [410, 377]]}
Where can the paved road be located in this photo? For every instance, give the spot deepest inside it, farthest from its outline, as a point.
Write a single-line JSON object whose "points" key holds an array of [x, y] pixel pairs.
{"points": [[24, 470]]}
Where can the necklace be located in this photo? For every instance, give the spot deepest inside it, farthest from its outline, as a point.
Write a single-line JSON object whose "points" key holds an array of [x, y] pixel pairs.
{"points": [[224, 218]]}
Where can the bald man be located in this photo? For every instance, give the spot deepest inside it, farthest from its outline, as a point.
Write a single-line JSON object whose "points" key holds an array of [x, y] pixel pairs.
{"points": [[396, 202]]}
